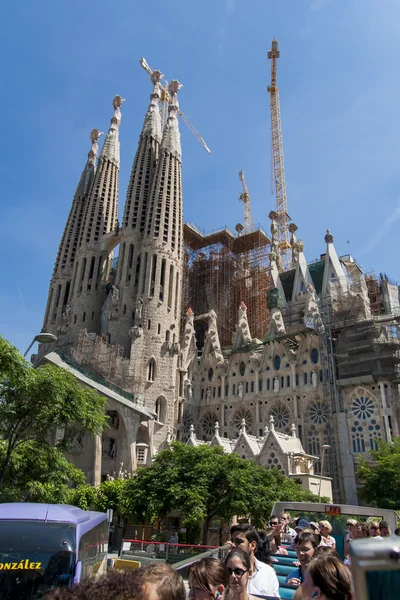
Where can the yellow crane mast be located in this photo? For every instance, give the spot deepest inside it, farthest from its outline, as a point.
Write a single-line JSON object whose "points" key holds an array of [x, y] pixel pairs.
{"points": [[278, 162], [245, 198]]}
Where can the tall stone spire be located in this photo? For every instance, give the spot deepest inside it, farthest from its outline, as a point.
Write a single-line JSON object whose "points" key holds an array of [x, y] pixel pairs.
{"points": [[102, 205], [61, 279], [99, 223], [146, 317], [132, 262]]}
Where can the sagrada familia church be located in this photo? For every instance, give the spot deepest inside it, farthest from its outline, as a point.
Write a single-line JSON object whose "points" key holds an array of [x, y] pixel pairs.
{"points": [[231, 339]]}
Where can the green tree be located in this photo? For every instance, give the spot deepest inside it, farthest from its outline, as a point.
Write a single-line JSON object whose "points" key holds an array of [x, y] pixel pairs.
{"points": [[380, 479], [35, 403], [38, 473], [204, 483]]}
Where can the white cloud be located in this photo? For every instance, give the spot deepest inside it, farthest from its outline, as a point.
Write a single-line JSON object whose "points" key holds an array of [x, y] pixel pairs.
{"points": [[318, 5]]}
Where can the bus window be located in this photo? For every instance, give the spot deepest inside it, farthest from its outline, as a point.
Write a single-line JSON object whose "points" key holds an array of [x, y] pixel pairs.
{"points": [[35, 558]]}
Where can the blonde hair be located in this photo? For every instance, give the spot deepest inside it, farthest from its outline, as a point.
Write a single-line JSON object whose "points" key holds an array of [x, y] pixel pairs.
{"points": [[327, 525], [351, 522]]}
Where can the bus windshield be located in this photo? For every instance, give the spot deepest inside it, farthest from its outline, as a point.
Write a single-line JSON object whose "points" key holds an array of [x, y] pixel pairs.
{"points": [[35, 557]]}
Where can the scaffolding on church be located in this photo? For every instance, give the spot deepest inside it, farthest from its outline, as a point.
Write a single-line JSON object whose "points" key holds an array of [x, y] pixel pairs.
{"points": [[222, 270]]}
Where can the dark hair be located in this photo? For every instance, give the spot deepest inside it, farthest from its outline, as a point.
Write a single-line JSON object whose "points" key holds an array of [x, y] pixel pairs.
{"points": [[307, 536], [326, 551], [241, 554], [114, 585], [397, 531], [274, 517], [208, 572], [332, 577], [168, 583], [263, 550], [364, 528], [247, 530], [383, 525]]}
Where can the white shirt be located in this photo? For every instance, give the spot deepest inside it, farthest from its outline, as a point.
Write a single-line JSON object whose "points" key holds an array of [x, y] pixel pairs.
{"points": [[264, 581]]}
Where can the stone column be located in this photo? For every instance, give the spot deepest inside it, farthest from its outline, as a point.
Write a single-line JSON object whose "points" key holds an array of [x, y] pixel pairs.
{"points": [[132, 457], [385, 411], [97, 461], [223, 377]]}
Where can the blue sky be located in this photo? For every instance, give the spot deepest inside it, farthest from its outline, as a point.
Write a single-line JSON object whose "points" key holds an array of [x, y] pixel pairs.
{"points": [[338, 75]]}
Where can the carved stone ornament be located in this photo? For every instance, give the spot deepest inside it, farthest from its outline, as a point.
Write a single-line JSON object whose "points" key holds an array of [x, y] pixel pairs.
{"points": [[135, 332], [328, 237]]}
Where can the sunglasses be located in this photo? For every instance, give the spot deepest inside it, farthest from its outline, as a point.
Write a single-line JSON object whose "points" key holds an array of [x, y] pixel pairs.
{"points": [[237, 572], [273, 523], [374, 527]]}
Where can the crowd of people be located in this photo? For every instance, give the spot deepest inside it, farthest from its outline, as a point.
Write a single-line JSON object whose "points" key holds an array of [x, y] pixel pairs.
{"points": [[246, 572]]}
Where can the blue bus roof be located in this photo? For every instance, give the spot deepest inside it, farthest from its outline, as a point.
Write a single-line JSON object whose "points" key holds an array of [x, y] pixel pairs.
{"points": [[31, 511]]}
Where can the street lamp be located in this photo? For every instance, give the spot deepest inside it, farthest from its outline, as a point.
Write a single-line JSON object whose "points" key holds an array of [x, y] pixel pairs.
{"points": [[42, 338], [325, 447]]}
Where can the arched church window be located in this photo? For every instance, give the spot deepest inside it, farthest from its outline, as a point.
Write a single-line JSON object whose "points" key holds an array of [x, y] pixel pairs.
{"points": [[151, 370], [210, 374], [242, 369], [277, 362], [161, 409], [314, 356]]}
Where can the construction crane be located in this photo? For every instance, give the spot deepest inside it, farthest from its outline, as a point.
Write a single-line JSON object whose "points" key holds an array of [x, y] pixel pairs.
{"points": [[165, 100], [245, 198], [278, 162]]}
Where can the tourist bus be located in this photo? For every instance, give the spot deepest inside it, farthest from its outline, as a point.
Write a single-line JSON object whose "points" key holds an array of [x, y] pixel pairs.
{"points": [[337, 515], [45, 546]]}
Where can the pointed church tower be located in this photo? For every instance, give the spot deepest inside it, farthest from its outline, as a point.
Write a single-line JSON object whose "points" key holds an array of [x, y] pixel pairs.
{"points": [[97, 237], [57, 309], [158, 261], [133, 262]]}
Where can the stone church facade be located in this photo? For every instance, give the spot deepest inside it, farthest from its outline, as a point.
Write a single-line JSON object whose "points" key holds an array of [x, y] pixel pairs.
{"points": [[324, 371]]}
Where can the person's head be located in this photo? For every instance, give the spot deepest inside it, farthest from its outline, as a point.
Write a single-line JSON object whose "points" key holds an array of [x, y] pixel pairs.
{"points": [[351, 525], [238, 564], [327, 578], [305, 545], [315, 527], [397, 531], [153, 582], [384, 529], [301, 524], [208, 579], [263, 550], [362, 530], [274, 521], [161, 582], [285, 519], [326, 551], [325, 528], [374, 529], [244, 536]]}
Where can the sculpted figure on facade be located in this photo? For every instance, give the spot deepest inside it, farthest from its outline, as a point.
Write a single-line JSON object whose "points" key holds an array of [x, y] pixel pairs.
{"points": [[188, 389], [67, 313], [314, 379], [240, 390], [276, 384], [139, 309], [114, 295], [208, 395]]}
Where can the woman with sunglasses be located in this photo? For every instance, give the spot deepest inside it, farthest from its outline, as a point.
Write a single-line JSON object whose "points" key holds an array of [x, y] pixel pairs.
{"points": [[239, 568], [327, 539]]}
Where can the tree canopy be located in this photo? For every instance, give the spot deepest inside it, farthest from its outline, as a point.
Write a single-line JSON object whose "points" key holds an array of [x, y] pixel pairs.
{"points": [[380, 479], [204, 483], [35, 404]]}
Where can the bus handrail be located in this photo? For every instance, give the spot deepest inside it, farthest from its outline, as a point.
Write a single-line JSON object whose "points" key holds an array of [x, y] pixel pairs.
{"points": [[209, 553]]}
